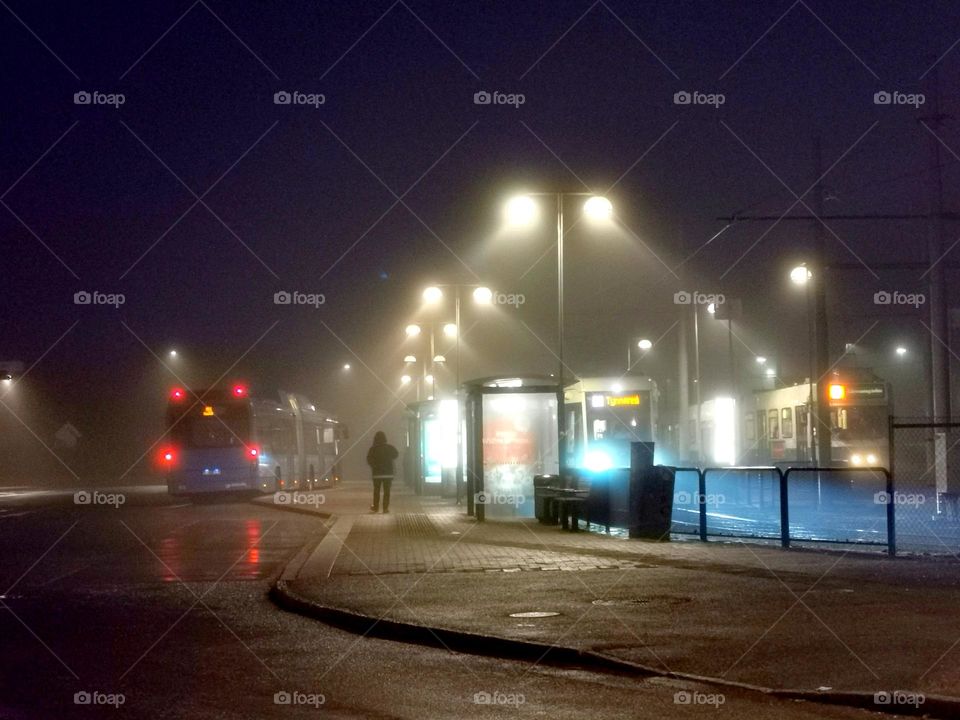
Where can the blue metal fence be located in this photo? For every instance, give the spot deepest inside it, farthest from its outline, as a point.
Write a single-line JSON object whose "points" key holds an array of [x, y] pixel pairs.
{"points": [[809, 504]]}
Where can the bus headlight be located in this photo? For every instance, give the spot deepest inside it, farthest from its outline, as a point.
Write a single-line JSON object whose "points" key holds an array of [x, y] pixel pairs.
{"points": [[856, 459], [871, 460]]}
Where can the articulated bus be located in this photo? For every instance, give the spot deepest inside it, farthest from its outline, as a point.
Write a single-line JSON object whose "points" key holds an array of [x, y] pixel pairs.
{"points": [[604, 415], [776, 427], [224, 440]]}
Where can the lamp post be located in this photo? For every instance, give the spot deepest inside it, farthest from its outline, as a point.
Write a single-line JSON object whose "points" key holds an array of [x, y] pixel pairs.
{"points": [[643, 344], [802, 277], [522, 211], [433, 294]]}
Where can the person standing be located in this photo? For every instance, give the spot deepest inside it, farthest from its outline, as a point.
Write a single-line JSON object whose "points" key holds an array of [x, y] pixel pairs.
{"points": [[380, 458]]}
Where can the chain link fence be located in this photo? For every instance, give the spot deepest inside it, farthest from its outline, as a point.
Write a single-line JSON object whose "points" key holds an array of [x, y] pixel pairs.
{"points": [[925, 461]]}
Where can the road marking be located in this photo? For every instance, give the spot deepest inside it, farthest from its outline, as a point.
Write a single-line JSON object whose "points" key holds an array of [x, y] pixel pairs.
{"points": [[321, 560]]}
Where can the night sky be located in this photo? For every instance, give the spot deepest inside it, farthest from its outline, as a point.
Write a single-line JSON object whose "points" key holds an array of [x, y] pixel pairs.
{"points": [[199, 198]]}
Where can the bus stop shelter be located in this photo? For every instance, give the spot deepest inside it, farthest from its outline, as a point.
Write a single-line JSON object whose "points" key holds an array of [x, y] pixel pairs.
{"points": [[510, 431], [430, 447]]}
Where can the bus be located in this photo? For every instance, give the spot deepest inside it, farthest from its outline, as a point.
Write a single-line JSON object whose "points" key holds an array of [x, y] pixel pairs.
{"points": [[777, 427], [604, 415], [223, 440]]}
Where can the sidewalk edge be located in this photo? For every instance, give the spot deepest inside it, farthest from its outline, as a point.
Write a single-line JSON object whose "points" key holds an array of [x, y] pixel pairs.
{"points": [[285, 597]]}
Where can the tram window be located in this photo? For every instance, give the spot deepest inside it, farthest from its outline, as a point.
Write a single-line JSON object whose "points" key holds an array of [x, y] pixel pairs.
{"points": [[599, 429], [761, 425], [786, 422], [838, 419], [773, 425], [328, 434], [748, 426], [801, 421]]}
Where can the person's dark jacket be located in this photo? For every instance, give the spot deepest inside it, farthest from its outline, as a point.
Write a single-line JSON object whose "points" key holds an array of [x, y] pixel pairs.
{"points": [[380, 458]]}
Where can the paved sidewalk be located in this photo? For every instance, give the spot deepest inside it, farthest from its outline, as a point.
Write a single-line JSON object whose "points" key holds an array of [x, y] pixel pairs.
{"points": [[805, 620]]}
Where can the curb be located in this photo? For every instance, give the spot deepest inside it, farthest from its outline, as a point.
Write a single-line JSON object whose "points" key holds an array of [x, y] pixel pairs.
{"points": [[285, 597]]}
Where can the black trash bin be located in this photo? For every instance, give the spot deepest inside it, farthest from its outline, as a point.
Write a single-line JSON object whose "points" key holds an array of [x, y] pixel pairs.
{"points": [[544, 487], [651, 495]]}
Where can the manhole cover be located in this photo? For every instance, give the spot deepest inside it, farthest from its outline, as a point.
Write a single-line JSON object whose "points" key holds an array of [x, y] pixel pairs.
{"points": [[643, 601], [534, 614]]}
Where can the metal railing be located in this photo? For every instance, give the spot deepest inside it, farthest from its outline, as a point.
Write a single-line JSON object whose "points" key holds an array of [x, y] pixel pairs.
{"points": [[832, 505]]}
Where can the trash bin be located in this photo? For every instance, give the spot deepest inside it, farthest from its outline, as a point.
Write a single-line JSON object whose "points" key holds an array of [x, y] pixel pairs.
{"points": [[544, 488], [651, 495]]}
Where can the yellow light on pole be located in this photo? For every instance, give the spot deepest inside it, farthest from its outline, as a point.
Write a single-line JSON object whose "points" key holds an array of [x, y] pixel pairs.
{"points": [[433, 294], [521, 211], [450, 330], [483, 296], [413, 330], [598, 208], [800, 275]]}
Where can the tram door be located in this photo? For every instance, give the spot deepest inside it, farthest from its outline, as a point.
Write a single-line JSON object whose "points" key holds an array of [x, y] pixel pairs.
{"points": [[803, 439], [763, 440]]}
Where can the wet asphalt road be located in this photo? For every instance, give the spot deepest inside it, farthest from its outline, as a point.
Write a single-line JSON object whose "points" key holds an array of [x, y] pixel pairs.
{"points": [[163, 604]]}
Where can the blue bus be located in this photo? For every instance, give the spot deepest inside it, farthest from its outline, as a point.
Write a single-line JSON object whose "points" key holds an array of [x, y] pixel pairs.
{"points": [[225, 441]]}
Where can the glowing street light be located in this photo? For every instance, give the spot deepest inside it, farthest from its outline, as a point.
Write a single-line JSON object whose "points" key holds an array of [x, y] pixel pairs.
{"points": [[483, 296], [439, 359], [771, 372], [433, 294], [450, 330], [521, 211], [405, 379], [598, 208], [172, 354], [428, 379], [346, 366], [901, 350], [410, 359], [644, 344], [800, 275], [413, 330], [760, 359]]}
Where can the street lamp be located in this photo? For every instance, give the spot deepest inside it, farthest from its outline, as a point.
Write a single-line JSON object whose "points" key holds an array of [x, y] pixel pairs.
{"points": [[410, 358], [761, 360], [643, 344], [801, 276], [346, 366], [172, 354], [522, 211], [901, 351], [433, 294], [405, 379], [483, 296], [412, 330]]}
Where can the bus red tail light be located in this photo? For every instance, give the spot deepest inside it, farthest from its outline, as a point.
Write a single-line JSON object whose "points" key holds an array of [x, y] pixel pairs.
{"points": [[177, 394], [253, 452], [239, 391], [167, 458]]}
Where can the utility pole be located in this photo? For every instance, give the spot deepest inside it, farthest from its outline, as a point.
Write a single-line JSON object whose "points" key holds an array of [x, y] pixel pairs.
{"points": [[939, 328], [939, 340], [820, 322]]}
